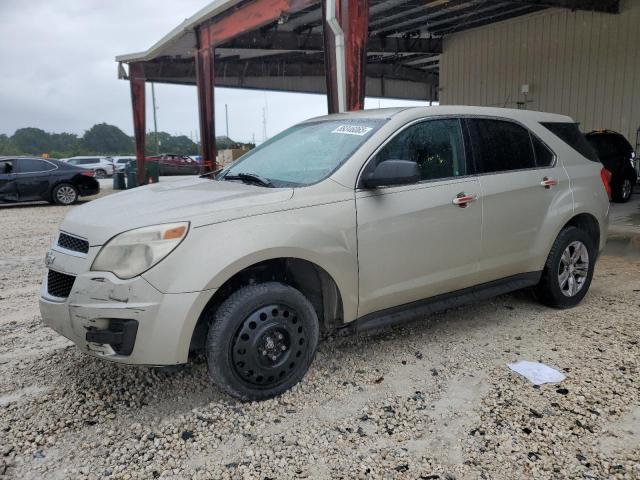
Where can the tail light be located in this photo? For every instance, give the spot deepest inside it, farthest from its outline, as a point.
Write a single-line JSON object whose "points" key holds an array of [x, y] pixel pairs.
{"points": [[88, 173], [605, 175]]}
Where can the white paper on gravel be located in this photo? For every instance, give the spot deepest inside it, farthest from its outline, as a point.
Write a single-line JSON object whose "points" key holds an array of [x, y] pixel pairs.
{"points": [[536, 372]]}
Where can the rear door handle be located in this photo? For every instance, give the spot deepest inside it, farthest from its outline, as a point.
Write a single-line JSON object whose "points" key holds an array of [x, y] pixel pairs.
{"points": [[548, 182], [463, 200]]}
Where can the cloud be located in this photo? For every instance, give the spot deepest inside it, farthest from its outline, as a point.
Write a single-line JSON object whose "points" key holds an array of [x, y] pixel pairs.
{"points": [[59, 73]]}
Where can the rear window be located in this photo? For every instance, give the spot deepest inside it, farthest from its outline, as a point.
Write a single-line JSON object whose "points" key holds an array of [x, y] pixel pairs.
{"points": [[500, 145], [544, 156], [570, 134], [609, 144]]}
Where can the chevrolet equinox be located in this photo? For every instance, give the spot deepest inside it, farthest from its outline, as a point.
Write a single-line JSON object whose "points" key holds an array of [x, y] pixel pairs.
{"points": [[351, 221]]}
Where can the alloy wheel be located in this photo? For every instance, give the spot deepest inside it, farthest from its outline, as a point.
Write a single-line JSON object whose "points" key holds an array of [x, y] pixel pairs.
{"points": [[573, 268], [626, 188], [268, 346], [66, 195]]}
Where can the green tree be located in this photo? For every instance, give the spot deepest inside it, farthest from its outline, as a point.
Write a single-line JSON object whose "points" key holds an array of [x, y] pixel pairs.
{"points": [[107, 139], [32, 141], [66, 142], [182, 144], [7, 147], [223, 143]]}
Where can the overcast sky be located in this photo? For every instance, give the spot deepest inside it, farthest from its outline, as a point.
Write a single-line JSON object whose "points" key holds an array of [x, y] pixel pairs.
{"points": [[57, 71]]}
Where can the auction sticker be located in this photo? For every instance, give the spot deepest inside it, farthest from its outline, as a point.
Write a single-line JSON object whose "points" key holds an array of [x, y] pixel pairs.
{"points": [[353, 130]]}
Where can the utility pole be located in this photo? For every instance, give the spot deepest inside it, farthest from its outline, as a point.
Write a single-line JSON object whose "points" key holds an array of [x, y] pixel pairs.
{"points": [[226, 118], [155, 120], [264, 124]]}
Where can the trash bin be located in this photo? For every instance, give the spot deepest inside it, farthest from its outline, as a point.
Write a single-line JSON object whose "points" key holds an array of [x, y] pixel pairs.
{"points": [[152, 172], [118, 181], [131, 172]]}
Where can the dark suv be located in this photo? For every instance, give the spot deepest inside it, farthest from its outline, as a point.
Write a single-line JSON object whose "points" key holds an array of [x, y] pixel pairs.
{"points": [[617, 155]]}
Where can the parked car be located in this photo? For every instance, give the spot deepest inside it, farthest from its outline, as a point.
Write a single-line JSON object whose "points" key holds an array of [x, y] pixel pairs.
{"points": [[617, 155], [353, 221], [102, 167], [172, 164], [119, 163], [29, 179]]}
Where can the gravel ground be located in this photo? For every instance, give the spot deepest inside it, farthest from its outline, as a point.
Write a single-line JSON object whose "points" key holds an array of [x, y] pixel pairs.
{"points": [[432, 400]]}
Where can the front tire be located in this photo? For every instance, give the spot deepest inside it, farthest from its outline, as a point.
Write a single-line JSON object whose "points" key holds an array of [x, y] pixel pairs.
{"points": [[65, 194], [261, 341], [569, 269]]}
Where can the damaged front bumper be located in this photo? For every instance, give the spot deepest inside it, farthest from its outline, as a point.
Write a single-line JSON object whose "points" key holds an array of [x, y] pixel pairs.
{"points": [[127, 321]]}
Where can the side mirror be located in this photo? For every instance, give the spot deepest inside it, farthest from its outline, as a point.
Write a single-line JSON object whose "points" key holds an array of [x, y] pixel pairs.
{"points": [[392, 172]]}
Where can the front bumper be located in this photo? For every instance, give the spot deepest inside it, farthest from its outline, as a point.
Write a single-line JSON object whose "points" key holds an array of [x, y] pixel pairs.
{"points": [[100, 302]]}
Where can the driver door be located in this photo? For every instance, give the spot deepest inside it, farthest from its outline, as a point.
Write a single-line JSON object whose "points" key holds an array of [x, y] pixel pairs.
{"points": [[8, 190], [414, 242]]}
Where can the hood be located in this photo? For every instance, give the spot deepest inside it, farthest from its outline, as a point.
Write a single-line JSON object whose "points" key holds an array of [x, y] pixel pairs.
{"points": [[198, 200]]}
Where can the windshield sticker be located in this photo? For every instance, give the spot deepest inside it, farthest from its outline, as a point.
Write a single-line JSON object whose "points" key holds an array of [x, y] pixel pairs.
{"points": [[353, 130]]}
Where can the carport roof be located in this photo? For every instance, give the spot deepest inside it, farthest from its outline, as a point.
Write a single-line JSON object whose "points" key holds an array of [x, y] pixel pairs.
{"points": [[404, 46]]}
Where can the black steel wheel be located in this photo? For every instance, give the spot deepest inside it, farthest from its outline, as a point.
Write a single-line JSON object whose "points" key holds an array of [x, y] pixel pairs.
{"points": [[261, 341], [268, 345]]}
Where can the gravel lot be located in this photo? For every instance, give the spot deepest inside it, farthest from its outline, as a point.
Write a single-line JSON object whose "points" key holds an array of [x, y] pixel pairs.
{"points": [[433, 400]]}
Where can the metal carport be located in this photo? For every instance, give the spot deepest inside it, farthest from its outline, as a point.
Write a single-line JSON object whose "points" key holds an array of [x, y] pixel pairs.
{"points": [[344, 48]]}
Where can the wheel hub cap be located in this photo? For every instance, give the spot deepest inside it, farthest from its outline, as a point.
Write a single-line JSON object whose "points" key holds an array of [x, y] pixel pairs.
{"points": [[65, 194], [573, 268], [268, 346]]}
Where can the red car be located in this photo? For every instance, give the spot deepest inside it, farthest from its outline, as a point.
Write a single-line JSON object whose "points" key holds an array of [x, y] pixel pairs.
{"points": [[172, 164]]}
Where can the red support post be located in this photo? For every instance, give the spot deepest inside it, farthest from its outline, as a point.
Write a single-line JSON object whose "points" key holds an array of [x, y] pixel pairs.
{"points": [[205, 81], [137, 83], [248, 17], [355, 23], [353, 16]]}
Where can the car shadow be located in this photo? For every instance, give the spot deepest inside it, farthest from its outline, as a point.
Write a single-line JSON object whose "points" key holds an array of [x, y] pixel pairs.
{"points": [[40, 204]]}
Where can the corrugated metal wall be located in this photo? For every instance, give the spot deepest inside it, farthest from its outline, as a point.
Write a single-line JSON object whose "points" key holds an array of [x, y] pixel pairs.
{"points": [[583, 64]]}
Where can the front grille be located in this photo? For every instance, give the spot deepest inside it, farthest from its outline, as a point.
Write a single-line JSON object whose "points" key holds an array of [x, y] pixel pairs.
{"points": [[59, 284], [73, 243]]}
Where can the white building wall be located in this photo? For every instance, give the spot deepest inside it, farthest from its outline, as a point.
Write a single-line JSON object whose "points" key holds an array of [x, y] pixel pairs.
{"points": [[582, 64]]}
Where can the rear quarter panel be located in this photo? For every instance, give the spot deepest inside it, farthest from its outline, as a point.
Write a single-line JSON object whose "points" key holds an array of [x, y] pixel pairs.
{"points": [[589, 194]]}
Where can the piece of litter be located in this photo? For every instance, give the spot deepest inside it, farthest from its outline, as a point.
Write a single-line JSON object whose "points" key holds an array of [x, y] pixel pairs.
{"points": [[536, 372]]}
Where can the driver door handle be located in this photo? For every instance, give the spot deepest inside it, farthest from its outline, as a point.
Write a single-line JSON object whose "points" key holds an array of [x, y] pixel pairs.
{"points": [[463, 199], [548, 182]]}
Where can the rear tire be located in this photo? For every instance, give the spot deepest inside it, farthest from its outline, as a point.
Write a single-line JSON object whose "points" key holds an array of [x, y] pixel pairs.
{"points": [[99, 173], [569, 269], [64, 194], [622, 192], [261, 341]]}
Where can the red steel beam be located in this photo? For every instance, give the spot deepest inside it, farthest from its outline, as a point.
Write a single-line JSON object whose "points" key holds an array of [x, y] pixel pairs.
{"points": [[353, 16], [136, 81], [250, 16], [206, 111], [245, 18]]}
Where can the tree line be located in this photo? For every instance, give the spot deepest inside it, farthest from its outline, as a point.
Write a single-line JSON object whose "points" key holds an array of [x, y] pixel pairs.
{"points": [[100, 139]]}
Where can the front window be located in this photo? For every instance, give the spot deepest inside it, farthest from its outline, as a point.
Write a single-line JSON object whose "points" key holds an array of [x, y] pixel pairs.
{"points": [[304, 154], [435, 145]]}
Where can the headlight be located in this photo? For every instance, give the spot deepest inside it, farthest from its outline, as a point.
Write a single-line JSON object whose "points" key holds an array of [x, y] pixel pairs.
{"points": [[136, 251]]}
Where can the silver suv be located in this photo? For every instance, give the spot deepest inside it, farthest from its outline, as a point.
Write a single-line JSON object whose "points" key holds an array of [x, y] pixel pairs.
{"points": [[352, 221], [102, 166]]}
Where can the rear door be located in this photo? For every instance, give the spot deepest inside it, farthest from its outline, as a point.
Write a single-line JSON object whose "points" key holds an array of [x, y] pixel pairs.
{"points": [[414, 242], [522, 186], [8, 191], [33, 178]]}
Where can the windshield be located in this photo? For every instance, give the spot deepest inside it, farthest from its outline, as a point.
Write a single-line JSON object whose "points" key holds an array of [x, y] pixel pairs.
{"points": [[304, 154]]}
